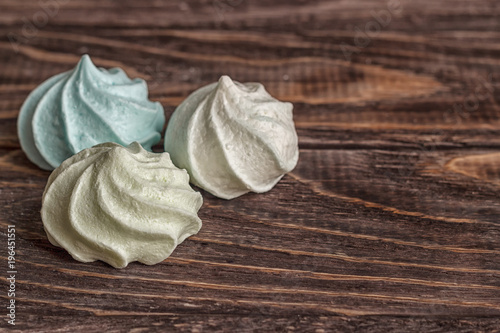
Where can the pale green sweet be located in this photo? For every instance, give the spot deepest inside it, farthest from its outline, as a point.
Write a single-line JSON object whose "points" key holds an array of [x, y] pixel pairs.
{"points": [[233, 138], [119, 204], [84, 107]]}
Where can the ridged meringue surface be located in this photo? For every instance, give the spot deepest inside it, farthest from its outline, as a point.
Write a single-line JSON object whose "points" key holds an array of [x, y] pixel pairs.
{"points": [[119, 204], [233, 138], [84, 107]]}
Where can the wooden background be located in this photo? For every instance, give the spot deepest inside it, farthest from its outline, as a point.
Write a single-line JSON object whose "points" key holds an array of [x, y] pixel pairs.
{"points": [[390, 221]]}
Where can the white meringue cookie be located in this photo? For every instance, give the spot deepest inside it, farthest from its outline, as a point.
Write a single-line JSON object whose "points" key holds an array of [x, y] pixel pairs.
{"points": [[233, 138], [119, 204]]}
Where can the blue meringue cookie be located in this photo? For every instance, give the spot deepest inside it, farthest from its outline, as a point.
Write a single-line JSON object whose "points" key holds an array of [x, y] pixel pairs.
{"points": [[83, 107]]}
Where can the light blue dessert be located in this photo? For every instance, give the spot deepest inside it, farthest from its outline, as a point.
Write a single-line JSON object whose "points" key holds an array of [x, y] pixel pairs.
{"points": [[84, 107]]}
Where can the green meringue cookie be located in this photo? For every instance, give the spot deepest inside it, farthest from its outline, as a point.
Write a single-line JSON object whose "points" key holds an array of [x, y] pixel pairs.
{"points": [[84, 107], [233, 138], [119, 204]]}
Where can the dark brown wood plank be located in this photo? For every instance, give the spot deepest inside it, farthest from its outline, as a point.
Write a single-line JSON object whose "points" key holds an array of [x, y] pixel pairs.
{"points": [[390, 221]]}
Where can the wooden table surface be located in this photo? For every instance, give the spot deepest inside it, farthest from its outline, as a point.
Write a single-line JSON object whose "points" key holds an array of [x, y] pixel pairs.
{"points": [[389, 222]]}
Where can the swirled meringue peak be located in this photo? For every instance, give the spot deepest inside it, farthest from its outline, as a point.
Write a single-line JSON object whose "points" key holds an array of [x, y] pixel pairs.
{"points": [[233, 138], [119, 204], [84, 107]]}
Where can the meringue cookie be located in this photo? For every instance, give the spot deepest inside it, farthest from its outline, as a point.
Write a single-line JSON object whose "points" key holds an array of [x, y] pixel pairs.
{"points": [[83, 107], [233, 138], [119, 204]]}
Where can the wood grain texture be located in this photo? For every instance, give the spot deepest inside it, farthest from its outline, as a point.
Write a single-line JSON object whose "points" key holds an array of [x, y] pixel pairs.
{"points": [[389, 223]]}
